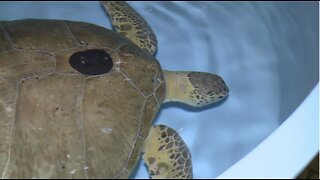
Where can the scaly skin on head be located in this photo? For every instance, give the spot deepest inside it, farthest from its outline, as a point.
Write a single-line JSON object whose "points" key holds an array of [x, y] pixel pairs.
{"points": [[194, 88]]}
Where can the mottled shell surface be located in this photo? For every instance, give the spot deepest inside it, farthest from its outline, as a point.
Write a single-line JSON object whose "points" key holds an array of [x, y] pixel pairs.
{"points": [[58, 123]]}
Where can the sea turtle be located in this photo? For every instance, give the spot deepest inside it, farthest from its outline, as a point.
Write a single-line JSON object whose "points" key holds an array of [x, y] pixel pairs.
{"points": [[77, 100]]}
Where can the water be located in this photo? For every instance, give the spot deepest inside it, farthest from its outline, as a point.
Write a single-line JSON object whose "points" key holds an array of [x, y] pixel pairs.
{"points": [[267, 53]]}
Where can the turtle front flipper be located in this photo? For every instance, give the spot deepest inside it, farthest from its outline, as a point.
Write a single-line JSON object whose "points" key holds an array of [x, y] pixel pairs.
{"points": [[129, 23], [166, 154]]}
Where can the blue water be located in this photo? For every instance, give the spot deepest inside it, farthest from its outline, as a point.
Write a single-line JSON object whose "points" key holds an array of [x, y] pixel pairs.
{"points": [[267, 53]]}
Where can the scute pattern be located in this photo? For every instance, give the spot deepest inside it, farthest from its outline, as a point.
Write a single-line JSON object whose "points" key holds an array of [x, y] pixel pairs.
{"points": [[54, 134], [8, 94], [135, 63], [92, 35], [19, 64], [101, 112], [24, 36], [150, 110], [47, 134], [161, 92], [4, 40]]}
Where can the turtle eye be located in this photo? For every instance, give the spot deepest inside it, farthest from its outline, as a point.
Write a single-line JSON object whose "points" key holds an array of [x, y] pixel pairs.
{"points": [[91, 62]]}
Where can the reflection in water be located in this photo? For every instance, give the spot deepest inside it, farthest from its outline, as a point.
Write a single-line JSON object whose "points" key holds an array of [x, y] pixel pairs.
{"points": [[252, 45]]}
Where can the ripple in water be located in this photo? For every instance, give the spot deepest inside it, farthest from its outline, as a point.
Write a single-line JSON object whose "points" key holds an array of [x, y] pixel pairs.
{"points": [[247, 44]]}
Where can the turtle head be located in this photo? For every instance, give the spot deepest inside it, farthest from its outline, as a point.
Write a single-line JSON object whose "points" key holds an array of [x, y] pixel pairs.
{"points": [[194, 88]]}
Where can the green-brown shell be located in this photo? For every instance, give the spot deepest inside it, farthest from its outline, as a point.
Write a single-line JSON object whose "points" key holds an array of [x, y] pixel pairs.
{"points": [[58, 123]]}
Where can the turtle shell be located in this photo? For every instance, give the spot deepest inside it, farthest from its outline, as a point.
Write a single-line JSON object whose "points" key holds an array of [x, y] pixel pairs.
{"points": [[76, 100]]}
